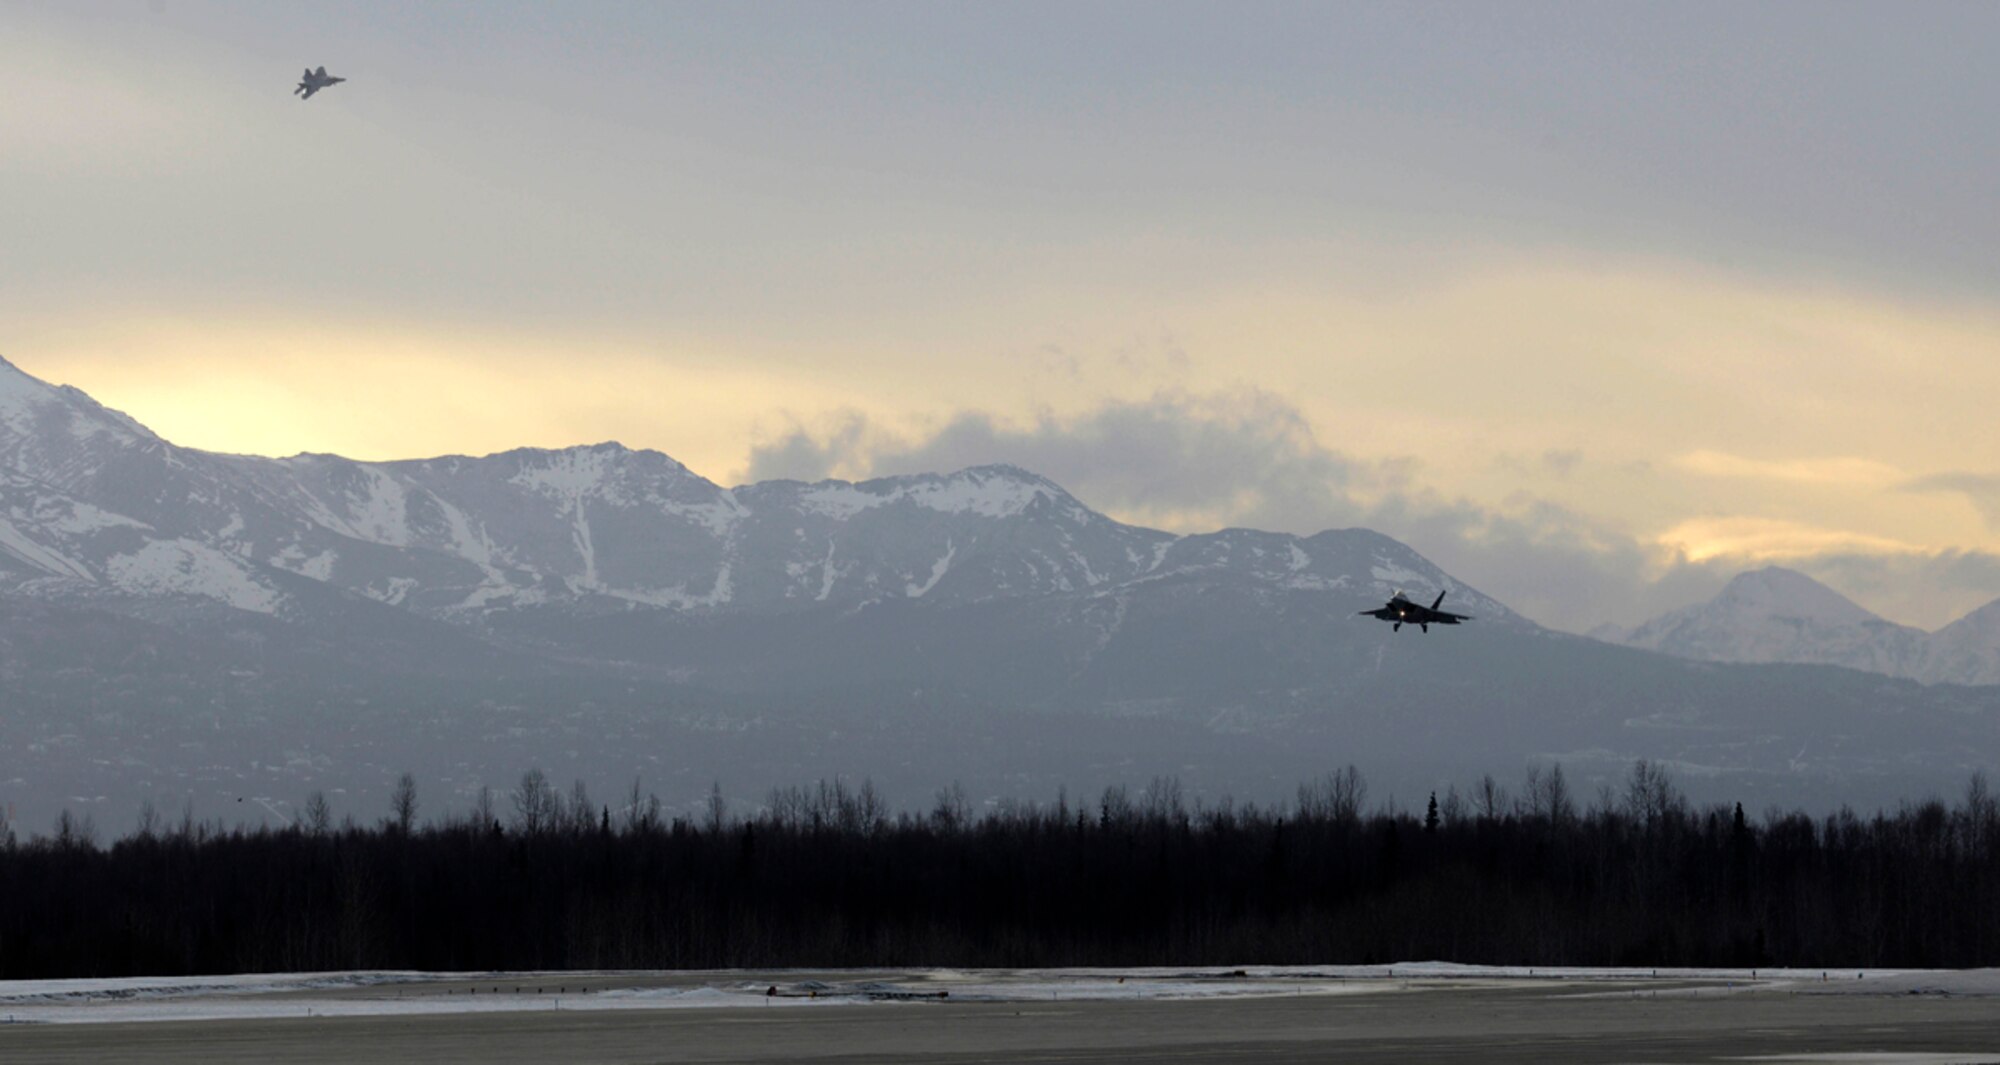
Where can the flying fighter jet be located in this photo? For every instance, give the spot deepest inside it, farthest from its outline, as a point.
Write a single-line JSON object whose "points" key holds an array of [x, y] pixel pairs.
{"points": [[1399, 609], [314, 81]]}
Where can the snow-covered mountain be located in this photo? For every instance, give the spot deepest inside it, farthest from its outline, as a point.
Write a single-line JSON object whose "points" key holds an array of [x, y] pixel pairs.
{"points": [[1779, 615], [178, 624], [1967, 651], [93, 502]]}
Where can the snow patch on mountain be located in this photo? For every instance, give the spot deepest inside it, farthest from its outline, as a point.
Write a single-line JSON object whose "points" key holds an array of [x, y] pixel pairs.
{"points": [[393, 591], [381, 513], [294, 559], [22, 547], [986, 491], [473, 546], [1387, 572], [572, 473], [938, 570], [718, 517], [827, 575], [72, 518], [184, 567], [678, 597]]}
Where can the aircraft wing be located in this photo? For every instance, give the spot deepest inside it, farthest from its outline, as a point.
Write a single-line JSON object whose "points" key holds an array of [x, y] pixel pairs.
{"points": [[1432, 615], [1383, 612]]}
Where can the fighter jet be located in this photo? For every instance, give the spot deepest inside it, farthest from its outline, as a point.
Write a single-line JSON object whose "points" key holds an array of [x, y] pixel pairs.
{"points": [[1400, 609], [314, 81]]}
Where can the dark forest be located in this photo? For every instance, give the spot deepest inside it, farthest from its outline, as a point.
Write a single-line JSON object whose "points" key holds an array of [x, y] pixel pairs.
{"points": [[828, 876]]}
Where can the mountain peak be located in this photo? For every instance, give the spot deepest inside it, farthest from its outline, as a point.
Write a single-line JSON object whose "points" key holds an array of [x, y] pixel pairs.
{"points": [[16, 381], [1002, 469], [1985, 619], [1779, 592], [996, 475], [28, 403], [1780, 615]]}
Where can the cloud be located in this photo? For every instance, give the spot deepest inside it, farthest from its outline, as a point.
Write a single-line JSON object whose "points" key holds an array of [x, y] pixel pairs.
{"points": [[1927, 589], [803, 456], [1981, 490], [1196, 462], [1841, 471], [1768, 539], [1562, 462], [1177, 461]]}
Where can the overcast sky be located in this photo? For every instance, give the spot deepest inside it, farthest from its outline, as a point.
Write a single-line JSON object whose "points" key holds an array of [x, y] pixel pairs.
{"points": [[1595, 304]]}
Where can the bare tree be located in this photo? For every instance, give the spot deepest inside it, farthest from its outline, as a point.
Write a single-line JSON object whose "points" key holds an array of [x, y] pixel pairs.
{"points": [[641, 812], [403, 803], [783, 806], [1548, 795], [582, 812], [535, 803], [1163, 801], [951, 811], [318, 814], [1561, 806], [1981, 817], [1453, 806], [871, 813], [716, 813], [483, 813], [1114, 807], [1338, 796], [1651, 796], [73, 832], [1490, 798]]}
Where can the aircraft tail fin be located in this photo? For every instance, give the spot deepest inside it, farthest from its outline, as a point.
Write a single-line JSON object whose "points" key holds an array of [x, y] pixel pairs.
{"points": [[321, 72], [1439, 601]]}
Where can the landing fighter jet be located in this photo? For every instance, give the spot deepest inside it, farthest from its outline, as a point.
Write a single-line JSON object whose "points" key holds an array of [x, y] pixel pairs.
{"points": [[314, 81], [1400, 609]]}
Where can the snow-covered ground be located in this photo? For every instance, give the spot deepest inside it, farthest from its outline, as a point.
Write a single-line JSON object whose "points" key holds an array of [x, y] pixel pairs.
{"points": [[378, 993]]}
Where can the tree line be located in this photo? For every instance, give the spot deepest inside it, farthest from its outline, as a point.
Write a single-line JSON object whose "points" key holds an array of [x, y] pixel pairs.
{"points": [[830, 876]]}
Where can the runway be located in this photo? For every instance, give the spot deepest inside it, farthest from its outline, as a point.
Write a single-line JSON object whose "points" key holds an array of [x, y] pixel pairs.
{"points": [[1916, 1019]]}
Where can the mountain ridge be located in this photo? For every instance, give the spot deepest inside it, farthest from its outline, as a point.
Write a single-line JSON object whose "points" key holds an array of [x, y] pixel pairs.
{"points": [[1778, 615], [180, 625], [531, 526]]}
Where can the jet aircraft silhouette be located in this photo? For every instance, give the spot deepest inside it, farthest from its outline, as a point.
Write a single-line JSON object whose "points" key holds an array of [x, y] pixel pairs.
{"points": [[314, 81], [1400, 609]]}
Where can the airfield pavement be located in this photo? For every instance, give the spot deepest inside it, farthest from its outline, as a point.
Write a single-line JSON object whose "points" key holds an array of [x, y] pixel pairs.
{"points": [[1415, 1014]]}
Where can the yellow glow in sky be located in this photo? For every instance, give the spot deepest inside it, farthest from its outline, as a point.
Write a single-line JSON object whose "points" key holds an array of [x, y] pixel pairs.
{"points": [[1711, 416]]}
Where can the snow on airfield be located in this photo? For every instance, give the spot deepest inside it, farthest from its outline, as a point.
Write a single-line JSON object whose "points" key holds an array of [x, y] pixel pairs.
{"points": [[354, 994]]}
